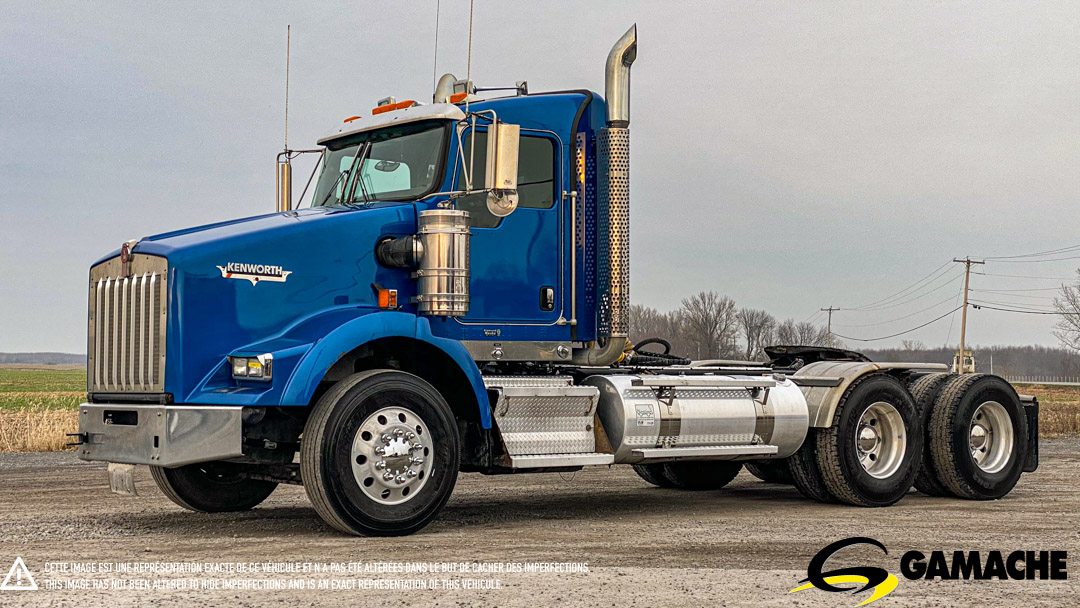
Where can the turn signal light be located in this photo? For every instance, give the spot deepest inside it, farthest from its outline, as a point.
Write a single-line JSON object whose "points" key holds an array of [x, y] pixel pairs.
{"points": [[352, 118], [387, 298], [458, 97]]}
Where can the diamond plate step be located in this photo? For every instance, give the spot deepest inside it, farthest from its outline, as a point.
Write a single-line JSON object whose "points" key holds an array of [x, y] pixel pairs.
{"points": [[537, 461], [707, 450]]}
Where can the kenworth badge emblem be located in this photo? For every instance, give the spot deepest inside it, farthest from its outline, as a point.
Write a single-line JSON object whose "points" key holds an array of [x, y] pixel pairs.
{"points": [[254, 272]]}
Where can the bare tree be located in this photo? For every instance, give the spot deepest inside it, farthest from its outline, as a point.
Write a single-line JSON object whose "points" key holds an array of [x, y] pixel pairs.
{"points": [[710, 325], [803, 333], [1067, 304], [912, 346], [758, 327], [646, 322]]}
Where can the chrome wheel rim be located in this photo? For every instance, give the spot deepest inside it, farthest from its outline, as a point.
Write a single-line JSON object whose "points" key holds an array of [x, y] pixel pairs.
{"points": [[391, 455], [880, 440], [990, 437]]}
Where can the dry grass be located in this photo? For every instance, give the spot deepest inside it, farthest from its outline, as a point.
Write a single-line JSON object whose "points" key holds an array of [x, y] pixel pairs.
{"points": [[1059, 408], [36, 430]]}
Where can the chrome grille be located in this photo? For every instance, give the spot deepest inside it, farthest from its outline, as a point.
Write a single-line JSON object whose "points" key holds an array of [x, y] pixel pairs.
{"points": [[126, 330]]}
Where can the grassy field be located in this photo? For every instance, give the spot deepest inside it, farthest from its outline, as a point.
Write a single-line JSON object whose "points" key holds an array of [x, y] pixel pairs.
{"points": [[39, 405]]}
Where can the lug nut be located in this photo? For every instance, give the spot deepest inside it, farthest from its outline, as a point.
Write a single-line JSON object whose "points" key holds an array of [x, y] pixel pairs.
{"points": [[411, 473], [416, 446], [400, 479], [416, 460], [380, 465], [385, 438], [388, 476], [380, 451], [410, 435], [398, 432]]}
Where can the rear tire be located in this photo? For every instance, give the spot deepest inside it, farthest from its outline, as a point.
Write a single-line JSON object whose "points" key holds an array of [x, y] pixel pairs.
{"points": [[871, 453], [978, 436], [380, 454], [211, 487], [654, 474], [701, 475], [925, 391], [771, 471], [805, 473]]}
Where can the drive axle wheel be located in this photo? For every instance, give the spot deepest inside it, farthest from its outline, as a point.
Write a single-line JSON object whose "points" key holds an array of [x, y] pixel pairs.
{"points": [[771, 471], [701, 475], [654, 474], [380, 454], [925, 391], [978, 435], [211, 487], [870, 455]]}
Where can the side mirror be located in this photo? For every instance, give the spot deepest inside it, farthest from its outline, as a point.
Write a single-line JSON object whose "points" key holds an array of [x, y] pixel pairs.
{"points": [[501, 175]]}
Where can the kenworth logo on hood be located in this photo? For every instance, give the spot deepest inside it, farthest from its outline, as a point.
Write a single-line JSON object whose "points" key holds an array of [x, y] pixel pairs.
{"points": [[254, 272]]}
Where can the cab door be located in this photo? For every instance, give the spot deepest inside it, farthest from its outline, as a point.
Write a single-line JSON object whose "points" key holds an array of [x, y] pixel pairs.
{"points": [[515, 260]]}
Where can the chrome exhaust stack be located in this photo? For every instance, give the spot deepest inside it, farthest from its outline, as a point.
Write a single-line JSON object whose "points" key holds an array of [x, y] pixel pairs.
{"points": [[617, 79], [613, 210]]}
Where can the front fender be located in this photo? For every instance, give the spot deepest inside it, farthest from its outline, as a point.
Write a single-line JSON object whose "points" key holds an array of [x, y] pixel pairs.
{"points": [[306, 350], [361, 330]]}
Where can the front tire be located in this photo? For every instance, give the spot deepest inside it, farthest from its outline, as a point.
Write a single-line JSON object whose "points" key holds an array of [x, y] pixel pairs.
{"points": [[871, 453], [978, 436], [380, 454], [211, 487]]}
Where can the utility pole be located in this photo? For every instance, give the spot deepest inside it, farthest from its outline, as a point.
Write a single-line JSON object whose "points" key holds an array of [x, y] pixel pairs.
{"points": [[967, 262], [829, 334]]}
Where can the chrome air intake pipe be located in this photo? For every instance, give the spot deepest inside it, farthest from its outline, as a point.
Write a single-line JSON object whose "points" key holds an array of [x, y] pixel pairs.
{"points": [[613, 208]]}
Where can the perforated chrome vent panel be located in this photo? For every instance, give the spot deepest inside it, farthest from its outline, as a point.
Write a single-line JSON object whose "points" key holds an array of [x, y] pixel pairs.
{"points": [[613, 227]]}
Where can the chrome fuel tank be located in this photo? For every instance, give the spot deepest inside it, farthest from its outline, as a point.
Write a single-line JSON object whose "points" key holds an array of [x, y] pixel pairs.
{"points": [[659, 418]]}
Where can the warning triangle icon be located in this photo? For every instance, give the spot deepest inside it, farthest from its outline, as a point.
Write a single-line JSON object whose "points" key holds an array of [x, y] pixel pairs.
{"points": [[18, 578]]}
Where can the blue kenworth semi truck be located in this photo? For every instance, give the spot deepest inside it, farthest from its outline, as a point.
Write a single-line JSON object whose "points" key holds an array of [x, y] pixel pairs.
{"points": [[456, 298]]}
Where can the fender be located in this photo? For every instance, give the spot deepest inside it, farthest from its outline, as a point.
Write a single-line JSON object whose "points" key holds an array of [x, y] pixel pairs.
{"points": [[821, 401], [361, 330]]}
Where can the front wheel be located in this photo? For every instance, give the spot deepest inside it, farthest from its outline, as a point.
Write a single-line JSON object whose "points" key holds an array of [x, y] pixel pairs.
{"points": [[380, 453], [211, 487]]}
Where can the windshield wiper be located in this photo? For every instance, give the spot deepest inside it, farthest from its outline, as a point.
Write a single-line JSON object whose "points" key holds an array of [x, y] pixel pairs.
{"points": [[358, 165], [333, 186]]}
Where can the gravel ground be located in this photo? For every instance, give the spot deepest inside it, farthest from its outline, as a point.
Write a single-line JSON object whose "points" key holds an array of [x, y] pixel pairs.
{"points": [[747, 545]]}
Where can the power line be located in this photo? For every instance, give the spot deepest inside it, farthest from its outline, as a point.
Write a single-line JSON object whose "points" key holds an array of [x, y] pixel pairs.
{"points": [[952, 319], [1036, 261], [908, 288], [1019, 306], [908, 331], [1038, 254], [1022, 276], [1029, 312], [903, 317], [1029, 289], [937, 287]]}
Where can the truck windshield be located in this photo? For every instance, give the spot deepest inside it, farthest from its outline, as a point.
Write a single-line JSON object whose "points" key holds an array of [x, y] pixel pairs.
{"points": [[402, 164]]}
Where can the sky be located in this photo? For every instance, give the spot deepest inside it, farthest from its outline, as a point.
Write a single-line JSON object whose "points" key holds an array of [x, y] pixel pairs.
{"points": [[791, 155]]}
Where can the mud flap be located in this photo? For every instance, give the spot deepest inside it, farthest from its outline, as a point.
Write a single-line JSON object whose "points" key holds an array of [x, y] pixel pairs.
{"points": [[1031, 408], [122, 479]]}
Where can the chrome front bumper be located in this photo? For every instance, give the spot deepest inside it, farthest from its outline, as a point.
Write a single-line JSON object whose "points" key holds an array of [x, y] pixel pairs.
{"points": [[162, 435]]}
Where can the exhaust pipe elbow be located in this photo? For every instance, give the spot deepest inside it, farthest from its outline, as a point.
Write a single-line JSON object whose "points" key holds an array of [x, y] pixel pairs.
{"points": [[617, 78]]}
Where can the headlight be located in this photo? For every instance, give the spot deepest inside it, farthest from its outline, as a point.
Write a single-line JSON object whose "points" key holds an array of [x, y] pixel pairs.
{"points": [[253, 368]]}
